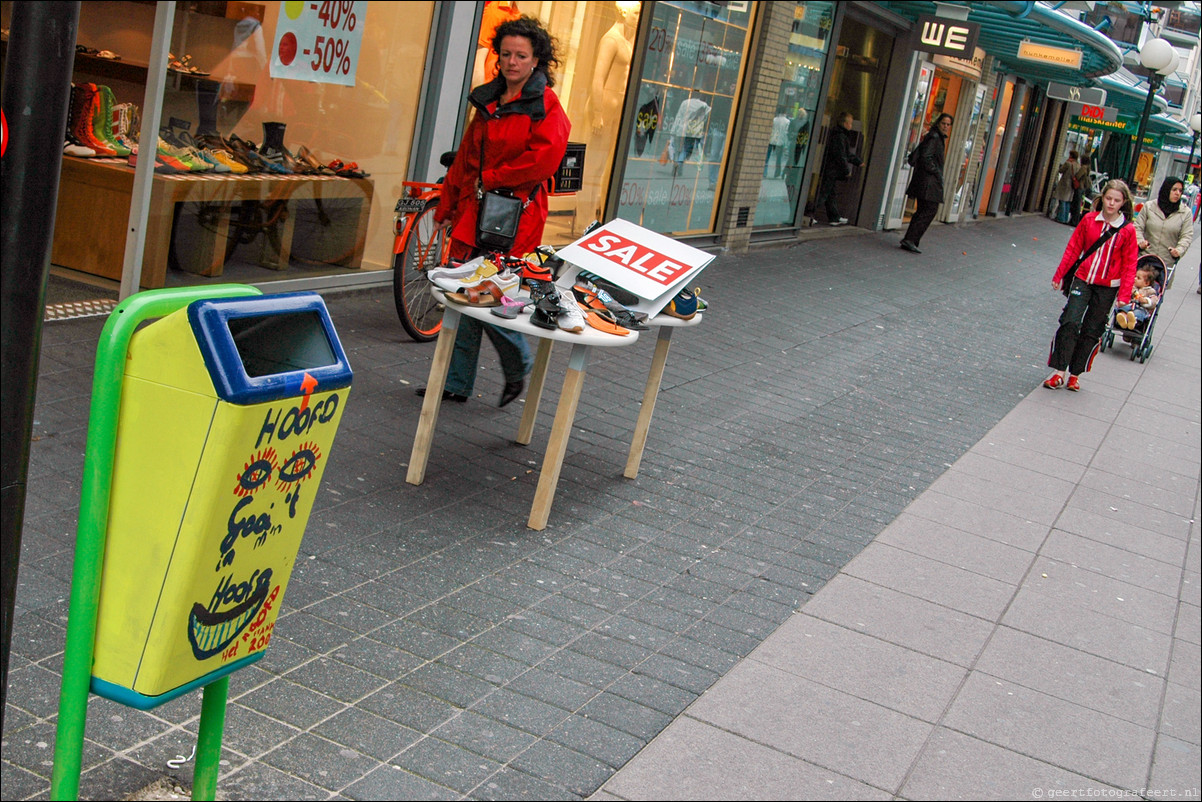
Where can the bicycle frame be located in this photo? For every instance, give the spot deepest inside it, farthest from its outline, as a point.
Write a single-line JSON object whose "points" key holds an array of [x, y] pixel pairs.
{"points": [[407, 208]]}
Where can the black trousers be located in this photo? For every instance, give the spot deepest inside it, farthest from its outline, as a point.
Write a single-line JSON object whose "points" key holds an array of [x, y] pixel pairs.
{"points": [[921, 220], [826, 198], [1081, 325]]}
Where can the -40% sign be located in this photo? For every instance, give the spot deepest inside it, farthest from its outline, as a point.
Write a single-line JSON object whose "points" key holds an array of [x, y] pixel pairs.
{"points": [[335, 29]]}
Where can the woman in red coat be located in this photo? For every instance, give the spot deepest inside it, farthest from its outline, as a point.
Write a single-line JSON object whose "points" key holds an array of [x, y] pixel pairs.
{"points": [[522, 131], [1106, 273]]}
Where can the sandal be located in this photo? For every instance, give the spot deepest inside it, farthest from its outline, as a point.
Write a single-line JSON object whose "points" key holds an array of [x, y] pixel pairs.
{"points": [[347, 169], [596, 299], [603, 320], [510, 308], [486, 293]]}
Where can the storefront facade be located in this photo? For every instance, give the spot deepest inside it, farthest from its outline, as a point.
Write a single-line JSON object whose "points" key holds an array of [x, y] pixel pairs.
{"points": [[702, 121]]}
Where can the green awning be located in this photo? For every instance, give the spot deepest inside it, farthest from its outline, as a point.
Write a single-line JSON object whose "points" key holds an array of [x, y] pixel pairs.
{"points": [[1006, 25]]}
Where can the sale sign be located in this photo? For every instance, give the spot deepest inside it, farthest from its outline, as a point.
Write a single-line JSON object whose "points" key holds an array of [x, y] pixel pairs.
{"points": [[318, 41], [650, 265]]}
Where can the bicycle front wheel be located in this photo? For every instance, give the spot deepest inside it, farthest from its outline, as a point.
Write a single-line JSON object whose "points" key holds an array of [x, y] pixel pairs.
{"points": [[419, 250]]}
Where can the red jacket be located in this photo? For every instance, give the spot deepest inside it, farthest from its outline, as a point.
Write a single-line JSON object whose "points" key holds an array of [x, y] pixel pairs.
{"points": [[1112, 265], [524, 143]]}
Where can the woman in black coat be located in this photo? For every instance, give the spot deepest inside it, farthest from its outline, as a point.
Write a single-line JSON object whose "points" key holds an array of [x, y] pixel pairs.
{"points": [[926, 185]]}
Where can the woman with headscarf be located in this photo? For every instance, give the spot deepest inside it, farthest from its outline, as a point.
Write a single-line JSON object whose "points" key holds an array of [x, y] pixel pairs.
{"points": [[1165, 227]]}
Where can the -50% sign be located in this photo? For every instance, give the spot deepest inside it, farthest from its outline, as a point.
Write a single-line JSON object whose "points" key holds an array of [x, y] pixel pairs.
{"points": [[318, 41]]}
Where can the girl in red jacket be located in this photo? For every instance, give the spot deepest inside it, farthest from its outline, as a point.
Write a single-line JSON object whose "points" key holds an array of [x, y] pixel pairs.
{"points": [[1105, 274]]}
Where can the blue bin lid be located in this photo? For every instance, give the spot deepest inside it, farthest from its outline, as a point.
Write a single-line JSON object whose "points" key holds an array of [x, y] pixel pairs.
{"points": [[262, 348]]}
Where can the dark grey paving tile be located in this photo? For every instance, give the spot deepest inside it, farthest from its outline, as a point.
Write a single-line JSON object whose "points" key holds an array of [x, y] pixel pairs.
{"points": [[321, 762], [367, 733], [446, 764]]}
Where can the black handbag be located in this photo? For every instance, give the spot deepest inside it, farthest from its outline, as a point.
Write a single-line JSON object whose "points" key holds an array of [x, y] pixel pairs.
{"points": [[1067, 281], [498, 212]]}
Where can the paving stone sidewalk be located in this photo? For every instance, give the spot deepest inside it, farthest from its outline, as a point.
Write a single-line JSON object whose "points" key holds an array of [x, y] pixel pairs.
{"points": [[432, 647]]}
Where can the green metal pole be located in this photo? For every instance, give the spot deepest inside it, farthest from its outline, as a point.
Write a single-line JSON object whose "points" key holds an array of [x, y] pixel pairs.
{"points": [[93, 515], [208, 739]]}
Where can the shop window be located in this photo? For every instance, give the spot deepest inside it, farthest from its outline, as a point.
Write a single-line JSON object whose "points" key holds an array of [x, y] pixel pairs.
{"points": [[796, 105], [327, 82], [694, 61]]}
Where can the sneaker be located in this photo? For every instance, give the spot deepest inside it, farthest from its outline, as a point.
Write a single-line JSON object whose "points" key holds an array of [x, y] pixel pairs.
{"points": [[570, 318], [1073, 384], [1126, 320], [461, 271], [483, 271], [71, 149], [1054, 382], [683, 306], [842, 221]]}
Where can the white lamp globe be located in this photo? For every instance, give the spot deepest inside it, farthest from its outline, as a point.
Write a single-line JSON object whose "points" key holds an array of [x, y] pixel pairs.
{"points": [[1157, 54], [1171, 67], [1195, 122]]}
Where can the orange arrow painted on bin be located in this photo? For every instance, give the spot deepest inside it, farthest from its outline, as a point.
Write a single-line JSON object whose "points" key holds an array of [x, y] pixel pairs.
{"points": [[308, 385]]}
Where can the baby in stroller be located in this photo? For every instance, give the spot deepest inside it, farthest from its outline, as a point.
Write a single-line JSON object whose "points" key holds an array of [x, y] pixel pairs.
{"points": [[1135, 320], [1144, 298]]}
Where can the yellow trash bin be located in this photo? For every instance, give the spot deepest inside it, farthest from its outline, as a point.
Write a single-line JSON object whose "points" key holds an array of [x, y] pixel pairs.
{"points": [[228, 414]]}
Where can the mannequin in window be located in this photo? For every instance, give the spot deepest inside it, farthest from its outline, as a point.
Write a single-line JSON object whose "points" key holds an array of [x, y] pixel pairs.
{"points": [[777, 143], [614, 51]]}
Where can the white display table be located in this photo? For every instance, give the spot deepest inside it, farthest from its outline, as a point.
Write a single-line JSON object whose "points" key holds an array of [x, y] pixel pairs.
{"points": [[569, 397]]}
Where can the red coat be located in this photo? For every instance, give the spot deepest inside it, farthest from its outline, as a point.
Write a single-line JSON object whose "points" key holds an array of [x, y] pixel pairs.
{"points": [[1112, 265], [523, 146]]}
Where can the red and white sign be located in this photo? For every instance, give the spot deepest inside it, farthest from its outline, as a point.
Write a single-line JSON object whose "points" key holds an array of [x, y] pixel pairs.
{"points": [[650, 265], [318, 41]]}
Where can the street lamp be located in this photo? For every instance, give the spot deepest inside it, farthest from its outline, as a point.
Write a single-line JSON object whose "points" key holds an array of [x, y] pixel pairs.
{"points": [[1160, 59], [1195, 123]]}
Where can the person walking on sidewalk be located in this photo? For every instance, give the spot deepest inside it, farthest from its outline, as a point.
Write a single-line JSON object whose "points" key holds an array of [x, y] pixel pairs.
{"points": [[1103, 252], [926, 185], [515, 140], [837, 165], [1165, 227], [1062, 194]]}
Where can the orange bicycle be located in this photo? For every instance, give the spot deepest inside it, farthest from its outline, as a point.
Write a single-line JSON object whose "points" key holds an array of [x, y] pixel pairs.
{"points": [[419, 246]]}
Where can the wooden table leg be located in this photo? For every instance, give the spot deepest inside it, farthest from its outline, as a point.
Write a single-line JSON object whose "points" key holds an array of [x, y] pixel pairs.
{"points": [[561, 430], [650, 393], [433, 400], [534, 393]]}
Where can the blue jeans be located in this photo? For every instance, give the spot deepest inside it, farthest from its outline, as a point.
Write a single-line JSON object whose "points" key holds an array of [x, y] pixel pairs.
{"points": [[514, 353], [1065, 212]]}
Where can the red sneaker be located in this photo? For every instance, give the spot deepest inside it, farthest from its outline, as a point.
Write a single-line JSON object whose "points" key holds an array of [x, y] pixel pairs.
{"points": [[1073, 384], [1054, 382]]}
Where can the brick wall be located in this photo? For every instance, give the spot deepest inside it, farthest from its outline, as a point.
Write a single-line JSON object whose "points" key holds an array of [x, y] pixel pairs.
{"points": [[758, 107]]}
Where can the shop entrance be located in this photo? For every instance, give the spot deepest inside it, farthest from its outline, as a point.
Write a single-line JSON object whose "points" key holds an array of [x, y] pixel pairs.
{"points": [[857, 86]]}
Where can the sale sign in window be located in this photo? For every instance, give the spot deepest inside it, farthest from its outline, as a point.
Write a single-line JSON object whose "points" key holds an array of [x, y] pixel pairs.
{"points": [[318, 41]]}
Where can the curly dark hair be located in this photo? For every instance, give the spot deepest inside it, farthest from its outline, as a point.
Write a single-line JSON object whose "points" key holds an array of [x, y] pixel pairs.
{"points": [[540, 41]]}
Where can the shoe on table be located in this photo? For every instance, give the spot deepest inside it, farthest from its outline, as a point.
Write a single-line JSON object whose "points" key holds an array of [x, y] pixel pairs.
{"points": [[842, 221], [1074, 384], [909, 246], [1054, 382], [569, 318], [447, 395], [465, 270]]}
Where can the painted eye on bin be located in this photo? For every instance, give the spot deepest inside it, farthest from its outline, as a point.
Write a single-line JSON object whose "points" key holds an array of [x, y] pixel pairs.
{"points": [[255, 475], [298, 466]]}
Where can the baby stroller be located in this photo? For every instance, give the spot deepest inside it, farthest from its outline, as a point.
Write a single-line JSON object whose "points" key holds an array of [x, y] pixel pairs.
{"points": [[1140, 337]]}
